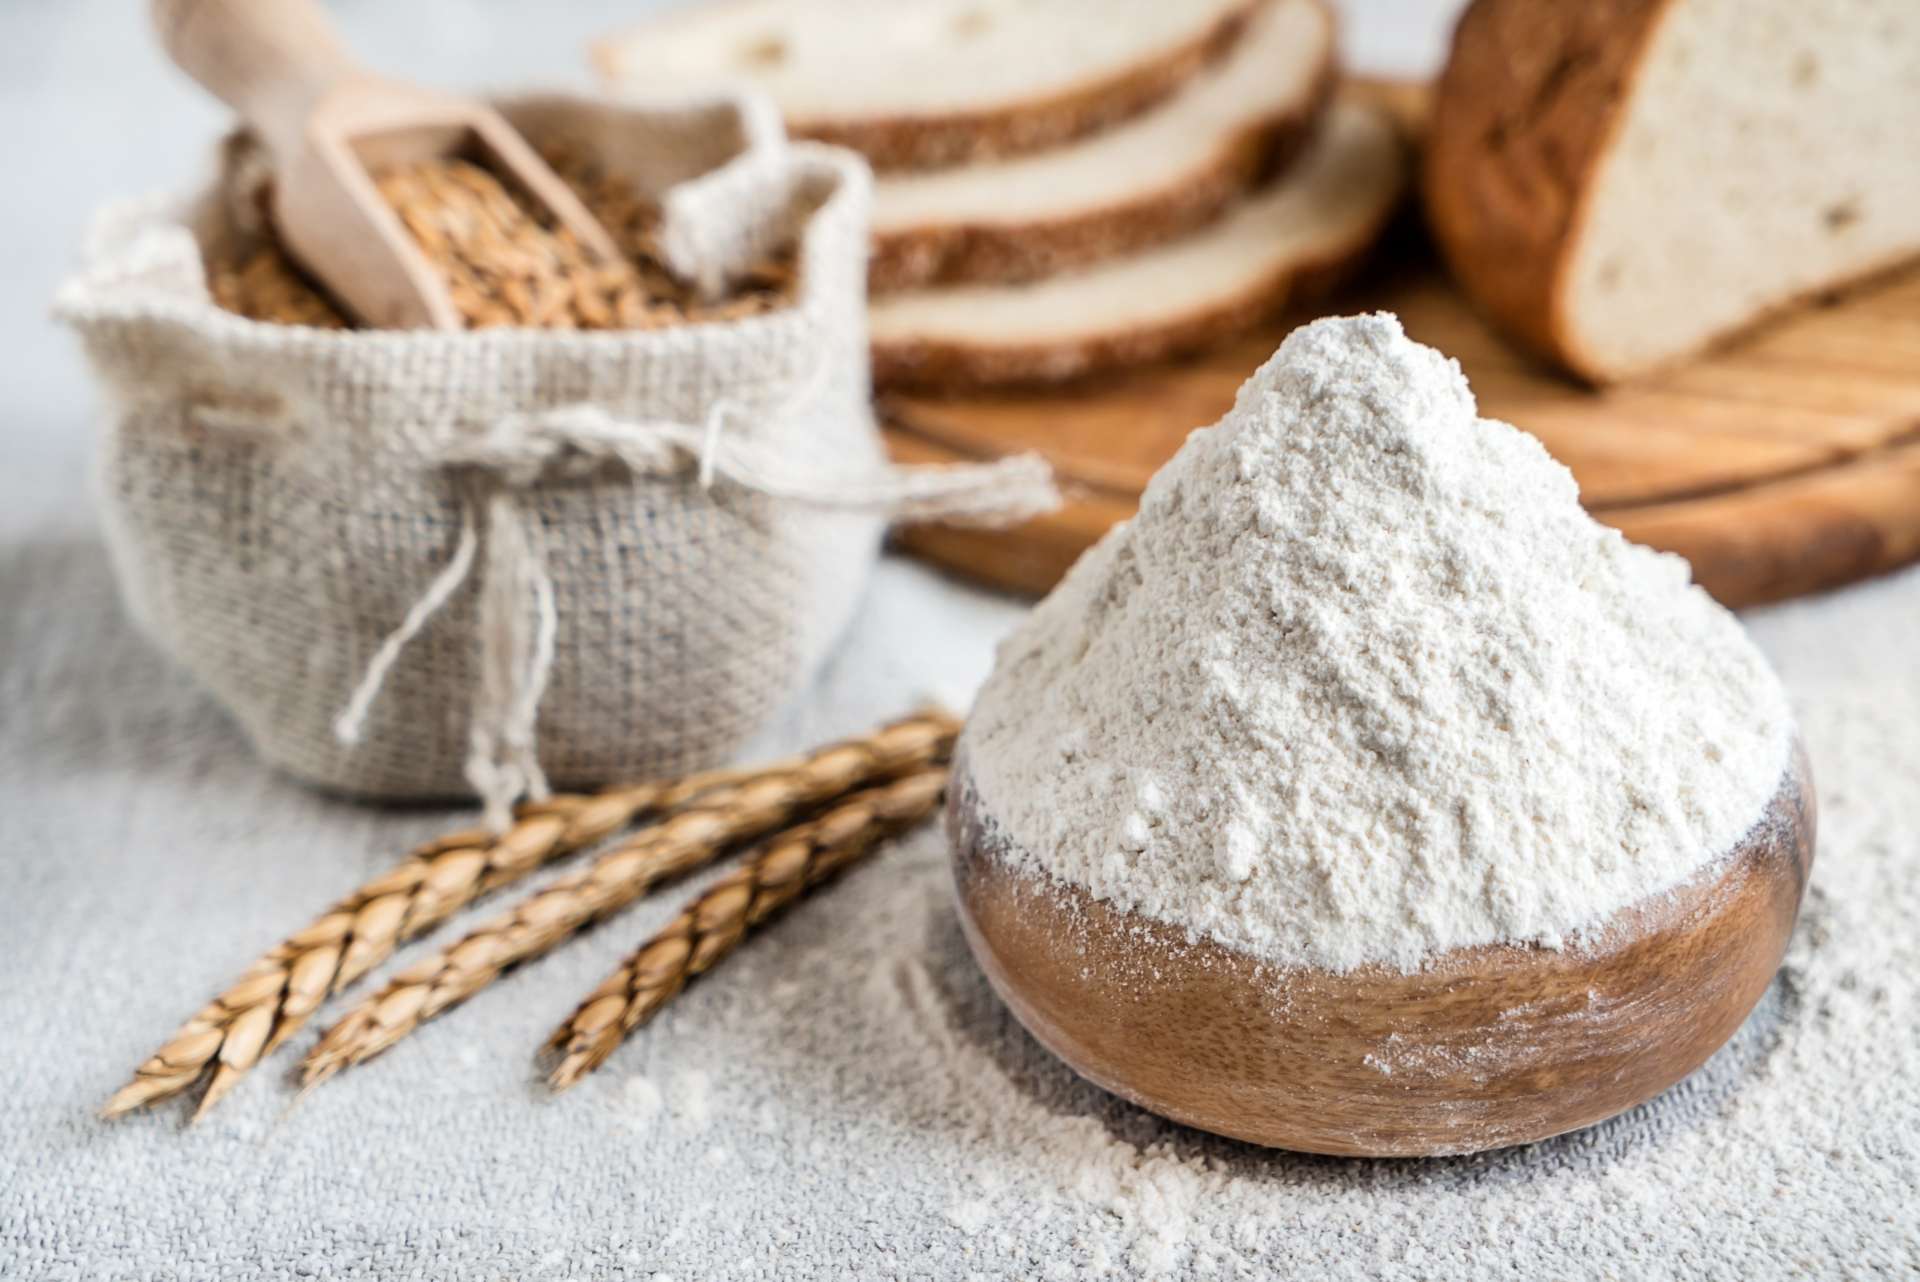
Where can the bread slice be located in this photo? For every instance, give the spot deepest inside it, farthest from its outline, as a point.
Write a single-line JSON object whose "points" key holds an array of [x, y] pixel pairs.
{"points": [[915, 83], [1283, 241], [1157, 176], [1621, 182]]}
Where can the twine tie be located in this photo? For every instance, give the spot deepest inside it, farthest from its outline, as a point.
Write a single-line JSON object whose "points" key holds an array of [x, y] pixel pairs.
{"points": [[517, 617]]}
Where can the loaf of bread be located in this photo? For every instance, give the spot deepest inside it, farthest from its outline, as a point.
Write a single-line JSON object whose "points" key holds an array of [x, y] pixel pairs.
{"points": [[1163, 173], [933, 82], [1298, 233], [1619, 183]]}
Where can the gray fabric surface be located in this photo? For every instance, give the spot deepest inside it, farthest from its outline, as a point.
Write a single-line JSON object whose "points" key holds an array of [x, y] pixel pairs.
{"points": [[845, 1098]]}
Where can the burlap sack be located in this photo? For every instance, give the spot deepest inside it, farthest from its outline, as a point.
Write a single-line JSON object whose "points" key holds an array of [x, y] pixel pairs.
{"points": [[421, 564]]}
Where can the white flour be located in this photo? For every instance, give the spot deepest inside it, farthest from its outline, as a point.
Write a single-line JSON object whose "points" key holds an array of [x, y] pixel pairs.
{"points": [[1362, 682]]}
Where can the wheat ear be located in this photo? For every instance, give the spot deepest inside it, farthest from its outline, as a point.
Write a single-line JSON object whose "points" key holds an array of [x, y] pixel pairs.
{"points": [[723, 818], [714, 923], [276, 995]]}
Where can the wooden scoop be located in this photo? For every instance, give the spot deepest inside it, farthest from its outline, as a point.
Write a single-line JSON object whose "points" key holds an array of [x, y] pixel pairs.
{"points": [[1485, 1047], [328, 123]]}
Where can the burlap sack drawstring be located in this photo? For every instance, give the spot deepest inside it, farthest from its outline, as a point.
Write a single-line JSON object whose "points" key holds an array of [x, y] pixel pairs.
{"points": [[517, 621]]}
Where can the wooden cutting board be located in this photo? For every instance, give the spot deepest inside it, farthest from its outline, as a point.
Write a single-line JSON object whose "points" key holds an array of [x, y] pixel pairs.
{"points": [[1784, 464]]}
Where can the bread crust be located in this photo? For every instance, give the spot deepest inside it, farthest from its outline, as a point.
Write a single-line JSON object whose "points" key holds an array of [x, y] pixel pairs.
{"points": [[1524, 113], [1005, 252], [936, 365], [934, 140]]}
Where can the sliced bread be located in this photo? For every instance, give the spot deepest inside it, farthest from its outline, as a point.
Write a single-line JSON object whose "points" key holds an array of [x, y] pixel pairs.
{"points": [[1282, 241], [1159, 175], [915, 83], [1620, 183]]}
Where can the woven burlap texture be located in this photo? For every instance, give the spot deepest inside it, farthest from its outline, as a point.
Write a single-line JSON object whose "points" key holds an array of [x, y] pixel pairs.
{"points": [[620, 552]]}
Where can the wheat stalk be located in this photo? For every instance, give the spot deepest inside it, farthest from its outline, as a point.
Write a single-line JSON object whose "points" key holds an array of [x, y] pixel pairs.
{"points": [[276, 995], [688, 840], [714, 923]]}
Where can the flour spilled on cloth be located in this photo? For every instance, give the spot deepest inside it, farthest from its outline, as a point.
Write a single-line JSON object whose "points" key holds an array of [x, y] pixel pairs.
{"points": [[875, 1069], [879, 1112], [640, 1101]]}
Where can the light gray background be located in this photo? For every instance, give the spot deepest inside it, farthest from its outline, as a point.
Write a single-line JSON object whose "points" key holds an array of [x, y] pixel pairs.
{"points": [[778, 1122]]}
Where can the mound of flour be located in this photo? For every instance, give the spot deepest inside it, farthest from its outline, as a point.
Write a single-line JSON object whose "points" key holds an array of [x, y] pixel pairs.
{"points": [[1362, 682]]}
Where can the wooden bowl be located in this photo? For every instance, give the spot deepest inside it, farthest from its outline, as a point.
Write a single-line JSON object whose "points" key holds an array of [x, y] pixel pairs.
{"points": [[1486, 1047]]}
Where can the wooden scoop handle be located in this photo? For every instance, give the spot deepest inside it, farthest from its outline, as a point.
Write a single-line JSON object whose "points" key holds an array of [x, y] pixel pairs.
{"points": [[270, 60]]}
